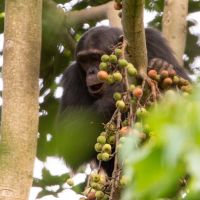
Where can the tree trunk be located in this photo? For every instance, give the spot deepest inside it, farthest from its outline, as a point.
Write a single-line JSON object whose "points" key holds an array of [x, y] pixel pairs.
{"points": [[20, 97], [175, 25]]}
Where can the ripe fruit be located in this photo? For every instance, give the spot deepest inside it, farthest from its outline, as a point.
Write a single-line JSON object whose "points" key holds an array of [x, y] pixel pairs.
{"points": [[117, 76], [122, 63], [120, 104], [103, 66], [91, 196], [123, 131], [102, 75], [172, 72], [138, 92], [113, 59], [117, 96], [167, 82], [132, 71], [152, 74], [107, 148], [118, 52], [105, 156], [164, 74], [105, 58], [101, 139], [70, 182]]}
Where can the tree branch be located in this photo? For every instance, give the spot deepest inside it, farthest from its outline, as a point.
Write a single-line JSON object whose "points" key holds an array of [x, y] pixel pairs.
{"points": [[135, 42]]}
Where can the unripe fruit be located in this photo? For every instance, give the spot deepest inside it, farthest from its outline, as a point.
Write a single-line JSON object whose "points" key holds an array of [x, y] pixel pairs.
{"points": [[98, 147], [113, 59], [122, 63], [182, 81], [103, 133], [132, 71], [118, 52], [120, 104], [111, 139], [147, 129], [102, 75], [186, 88], [185, 94], [157, 78], [112, 127], [131, 87], [103, 66], [152, 74], [123, 181], [117, 96], [110, 80], [70, 182], [138, 126], [99, 195], [95, 186], [101, 139], [99, 156], [117, 76], [122, 140], [105, 156], [107, 148], [138, 92], [175, 80], [105, 58], [125, 122], [95, 177], [167, 82], [164, 74], [141, 112]]}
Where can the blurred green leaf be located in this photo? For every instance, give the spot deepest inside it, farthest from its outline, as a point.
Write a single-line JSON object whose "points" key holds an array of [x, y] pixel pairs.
{"points": [[76, 135]]}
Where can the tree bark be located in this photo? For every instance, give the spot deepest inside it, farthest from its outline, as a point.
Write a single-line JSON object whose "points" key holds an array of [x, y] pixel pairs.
{"points": [[105, 11], [20, 97], [174, 26], [133, 26]]}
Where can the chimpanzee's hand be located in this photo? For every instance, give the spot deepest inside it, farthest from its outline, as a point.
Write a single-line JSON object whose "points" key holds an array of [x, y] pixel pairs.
{"points": [[159, 64]]}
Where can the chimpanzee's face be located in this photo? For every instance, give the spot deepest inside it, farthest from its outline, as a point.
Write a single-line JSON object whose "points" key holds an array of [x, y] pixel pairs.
{"points": [[89, 61]]}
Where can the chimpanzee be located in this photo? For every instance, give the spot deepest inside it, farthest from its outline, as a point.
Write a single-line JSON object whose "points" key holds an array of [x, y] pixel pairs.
{"points": [[80, 83]]}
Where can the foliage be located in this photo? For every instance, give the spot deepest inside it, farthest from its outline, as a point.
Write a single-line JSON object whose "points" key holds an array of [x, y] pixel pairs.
{"points": [[167, 166], [56, 56]]}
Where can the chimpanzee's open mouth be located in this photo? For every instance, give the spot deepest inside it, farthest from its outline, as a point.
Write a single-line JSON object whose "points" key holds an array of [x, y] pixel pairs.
{"points": [[96, 88]]}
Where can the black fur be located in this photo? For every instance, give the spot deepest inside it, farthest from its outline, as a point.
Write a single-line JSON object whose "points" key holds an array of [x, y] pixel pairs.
{"points": [[76, 95], [104, 38]]}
